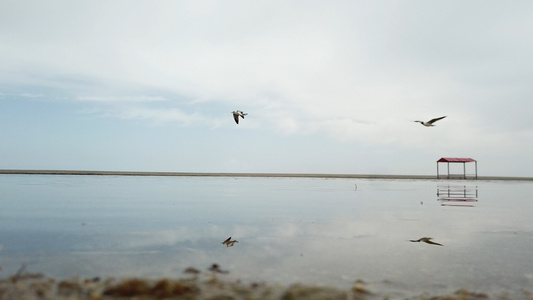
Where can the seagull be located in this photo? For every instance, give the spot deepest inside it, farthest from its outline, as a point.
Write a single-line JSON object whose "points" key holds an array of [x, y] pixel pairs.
{"points": [[430, 122], [426, 240], [236, 115], [229, 243]]}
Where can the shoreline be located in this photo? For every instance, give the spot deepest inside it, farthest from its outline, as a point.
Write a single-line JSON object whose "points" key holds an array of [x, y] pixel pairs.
{"points": [[222, 174]]}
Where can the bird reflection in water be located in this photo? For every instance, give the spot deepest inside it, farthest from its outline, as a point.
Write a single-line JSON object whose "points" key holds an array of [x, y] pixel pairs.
{"points": [[426, 240], [192, 271], [229, 243]]}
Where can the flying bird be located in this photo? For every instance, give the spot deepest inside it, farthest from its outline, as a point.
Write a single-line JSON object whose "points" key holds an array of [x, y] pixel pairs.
{"points": [[426, 240], [237, 114], [229, 243], [430, 122]]}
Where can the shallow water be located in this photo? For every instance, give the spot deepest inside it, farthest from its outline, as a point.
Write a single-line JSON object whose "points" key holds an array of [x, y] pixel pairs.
{"points": [[316, 231]]}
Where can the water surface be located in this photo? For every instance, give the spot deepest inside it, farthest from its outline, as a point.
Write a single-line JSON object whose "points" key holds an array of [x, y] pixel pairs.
{"points": [[311, 230]]}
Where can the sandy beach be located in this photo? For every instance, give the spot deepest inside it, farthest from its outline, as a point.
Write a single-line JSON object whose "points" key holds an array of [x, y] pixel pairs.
{"points": [[198, 285], [214, 174]]}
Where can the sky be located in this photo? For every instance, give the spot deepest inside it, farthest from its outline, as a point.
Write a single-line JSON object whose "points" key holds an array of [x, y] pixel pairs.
{"points": [[329, 87]]}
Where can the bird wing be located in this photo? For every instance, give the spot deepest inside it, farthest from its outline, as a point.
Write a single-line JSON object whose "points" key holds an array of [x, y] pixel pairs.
{"points": [[430, 242], [227, 240], [236, 117], [435, 120], [422, 239]]}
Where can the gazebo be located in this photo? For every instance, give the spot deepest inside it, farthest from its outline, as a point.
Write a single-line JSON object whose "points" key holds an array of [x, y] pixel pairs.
{"points": [[449, 160]]}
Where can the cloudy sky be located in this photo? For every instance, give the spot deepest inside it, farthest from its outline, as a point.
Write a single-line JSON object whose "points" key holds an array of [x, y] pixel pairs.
{"points": [[329, 87]]}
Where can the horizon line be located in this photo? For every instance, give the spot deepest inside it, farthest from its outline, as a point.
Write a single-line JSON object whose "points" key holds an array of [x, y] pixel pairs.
{"points": [[255, 174]]}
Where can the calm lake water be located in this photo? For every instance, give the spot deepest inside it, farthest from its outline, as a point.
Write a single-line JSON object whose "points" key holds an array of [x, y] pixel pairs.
{"points": [[316, 231]]}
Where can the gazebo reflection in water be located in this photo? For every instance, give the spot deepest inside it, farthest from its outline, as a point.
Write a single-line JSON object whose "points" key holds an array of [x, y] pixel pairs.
{"points": [[457, 195]]}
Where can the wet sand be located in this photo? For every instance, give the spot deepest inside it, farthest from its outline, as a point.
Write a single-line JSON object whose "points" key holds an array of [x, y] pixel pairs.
{"points": [[281, 175]]}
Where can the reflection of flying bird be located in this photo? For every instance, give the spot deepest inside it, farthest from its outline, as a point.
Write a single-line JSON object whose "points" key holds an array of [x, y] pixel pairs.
{"points": [[229, 243], [430, 122], [426, 240], [192, 271], [237, 114]]}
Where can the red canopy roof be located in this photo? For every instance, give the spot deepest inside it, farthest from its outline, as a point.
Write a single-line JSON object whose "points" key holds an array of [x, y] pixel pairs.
{"points": [[452, 159]]}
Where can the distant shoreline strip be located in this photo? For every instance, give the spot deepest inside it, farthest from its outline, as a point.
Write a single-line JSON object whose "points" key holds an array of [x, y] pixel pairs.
{"points": [[208, 174]]}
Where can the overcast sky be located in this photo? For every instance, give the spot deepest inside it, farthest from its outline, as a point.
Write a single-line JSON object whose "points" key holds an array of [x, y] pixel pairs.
{"points": [[329, 86]]}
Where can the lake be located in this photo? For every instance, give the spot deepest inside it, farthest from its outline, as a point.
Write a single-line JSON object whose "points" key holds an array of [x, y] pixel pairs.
{"points": [[311, 230]]}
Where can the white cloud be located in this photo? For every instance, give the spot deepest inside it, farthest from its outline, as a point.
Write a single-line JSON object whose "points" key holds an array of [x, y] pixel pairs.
{"points": [[114, 99], [355, 71], [153, 116]]}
